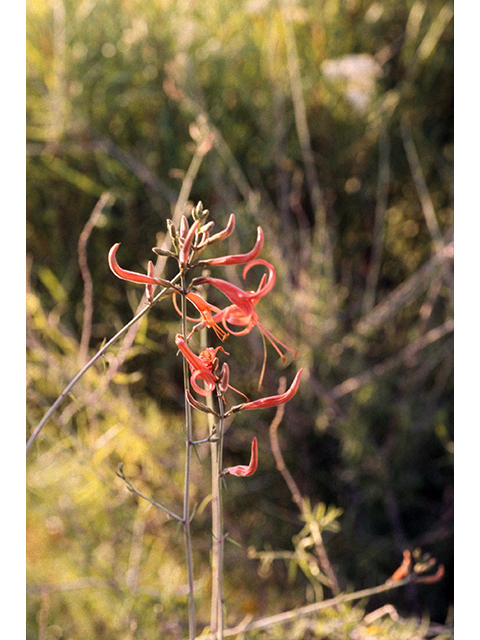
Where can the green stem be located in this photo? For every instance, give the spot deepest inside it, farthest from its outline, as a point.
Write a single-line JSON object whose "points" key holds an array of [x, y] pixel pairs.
{"points": [[216, 449], [186, 494], [216, 454], [218, 534]]}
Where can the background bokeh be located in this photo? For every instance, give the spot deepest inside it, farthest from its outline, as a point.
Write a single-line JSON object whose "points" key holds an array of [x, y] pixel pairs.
{"points": [[328, 123]]}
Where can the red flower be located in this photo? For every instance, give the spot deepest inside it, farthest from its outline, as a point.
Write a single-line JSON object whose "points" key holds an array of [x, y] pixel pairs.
{"points": [[201, 367], [239, 258], [271, 401], [123, 274], [242, 470], [242, 312]]}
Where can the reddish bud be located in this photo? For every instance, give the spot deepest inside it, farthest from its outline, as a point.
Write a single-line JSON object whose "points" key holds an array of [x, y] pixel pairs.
{"points": [[184, 252]]}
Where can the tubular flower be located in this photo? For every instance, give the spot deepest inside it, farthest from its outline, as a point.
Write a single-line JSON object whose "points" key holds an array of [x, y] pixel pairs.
{"points": [[201, 367], [241, 313], [242, 470], [271, 401], [123, 274], [239, 258]]}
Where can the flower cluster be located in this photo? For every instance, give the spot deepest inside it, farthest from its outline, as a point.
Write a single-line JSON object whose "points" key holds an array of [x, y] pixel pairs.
{"points": [[237, 318]]}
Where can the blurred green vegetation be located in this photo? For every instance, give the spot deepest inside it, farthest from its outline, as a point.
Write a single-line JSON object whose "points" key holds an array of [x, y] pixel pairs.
{"points": [[357, 211]]}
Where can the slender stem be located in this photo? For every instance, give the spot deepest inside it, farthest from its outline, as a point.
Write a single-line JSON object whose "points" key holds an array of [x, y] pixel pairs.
{"points": [[289, 616], [213, 436], [98, 355], [297, 496], [86, 275], [217, 520], [216, 451], [121, 475], [186, 494]]}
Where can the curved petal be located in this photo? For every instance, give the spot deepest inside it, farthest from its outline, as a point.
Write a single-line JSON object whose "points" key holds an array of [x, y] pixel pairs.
{"points": [[195, 361], [240, 258], [205, 376], [242, 470], [266, 283], [273, 401], [123, 274]]}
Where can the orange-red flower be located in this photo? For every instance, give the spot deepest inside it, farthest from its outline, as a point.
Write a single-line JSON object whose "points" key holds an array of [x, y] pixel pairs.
{"points": [[202, 367], [242, 470], [271, 401], [241, 313], [148, 280], [132, 276], [239, 258]]}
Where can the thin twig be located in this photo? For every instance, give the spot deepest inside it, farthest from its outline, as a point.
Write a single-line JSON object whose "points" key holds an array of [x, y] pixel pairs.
{"points": [[91, 362], [289, 616], [134, 490], [380, 211], [354, 383], [301, 122], [404, 293], [296, 493], [87, 278], [426, 203]]}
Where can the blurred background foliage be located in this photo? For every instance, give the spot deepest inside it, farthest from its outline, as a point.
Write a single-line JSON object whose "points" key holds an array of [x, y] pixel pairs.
{"points": [[331, 125]]}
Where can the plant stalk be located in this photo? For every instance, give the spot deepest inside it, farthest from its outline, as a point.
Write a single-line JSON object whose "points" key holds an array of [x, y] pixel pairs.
{"points": [[187, 480], [218, 538]]}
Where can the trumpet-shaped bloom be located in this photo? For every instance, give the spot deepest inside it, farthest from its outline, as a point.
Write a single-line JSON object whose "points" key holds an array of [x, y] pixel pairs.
{"points": [[239, 258], [271, 401], [132, 276], [243, 470], [242, 313], [202, 367]]}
